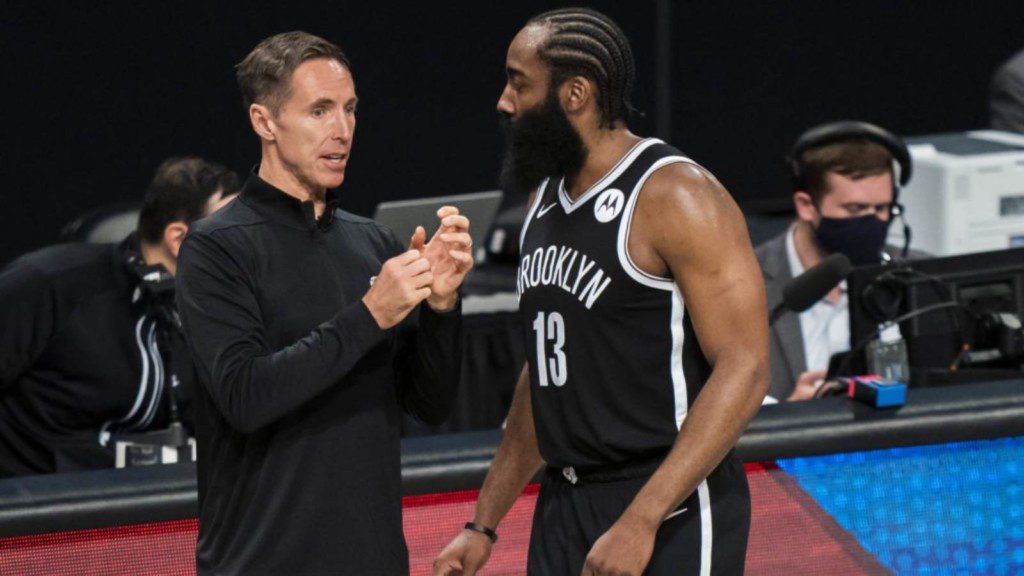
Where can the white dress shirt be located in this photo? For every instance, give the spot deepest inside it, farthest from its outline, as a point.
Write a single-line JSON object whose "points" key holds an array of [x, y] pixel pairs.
{"points": [[825, 327]]}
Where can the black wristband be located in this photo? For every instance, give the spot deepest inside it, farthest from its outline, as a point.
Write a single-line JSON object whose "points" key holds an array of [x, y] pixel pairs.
{"points": [[483, 530]]}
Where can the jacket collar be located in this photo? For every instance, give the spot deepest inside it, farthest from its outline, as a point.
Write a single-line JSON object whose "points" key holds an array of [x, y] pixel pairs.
{"points": [[284, 208]]}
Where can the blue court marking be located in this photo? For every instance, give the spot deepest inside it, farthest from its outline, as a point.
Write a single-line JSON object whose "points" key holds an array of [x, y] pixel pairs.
{"points": [[948, 509]]}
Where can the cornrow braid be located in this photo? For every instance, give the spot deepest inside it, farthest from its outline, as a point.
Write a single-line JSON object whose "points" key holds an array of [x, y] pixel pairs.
{"points": [[588, 43]]}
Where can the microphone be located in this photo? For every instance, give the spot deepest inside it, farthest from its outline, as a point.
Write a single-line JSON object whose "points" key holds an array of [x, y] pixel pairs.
{"points": [[803, 291]]}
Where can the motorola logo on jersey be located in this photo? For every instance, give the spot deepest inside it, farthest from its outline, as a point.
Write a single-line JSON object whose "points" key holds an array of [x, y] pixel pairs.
{"points": [[609, 205]]}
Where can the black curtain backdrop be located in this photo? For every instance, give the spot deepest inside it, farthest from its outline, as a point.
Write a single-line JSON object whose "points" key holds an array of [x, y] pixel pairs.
{"points": [[96, 95]]}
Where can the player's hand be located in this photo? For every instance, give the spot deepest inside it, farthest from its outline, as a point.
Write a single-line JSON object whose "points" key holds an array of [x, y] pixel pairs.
{"points": [[449, 255], [624, 550], [807, 385], [466, 554], [404, 281]]}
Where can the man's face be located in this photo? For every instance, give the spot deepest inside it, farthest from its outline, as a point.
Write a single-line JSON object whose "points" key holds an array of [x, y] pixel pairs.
{"points": [[527, 75], [849, 198], [315, 126], [540, 141]]}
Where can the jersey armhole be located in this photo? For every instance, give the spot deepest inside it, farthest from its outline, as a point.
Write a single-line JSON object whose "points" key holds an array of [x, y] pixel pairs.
{"points": [[625, 261]]}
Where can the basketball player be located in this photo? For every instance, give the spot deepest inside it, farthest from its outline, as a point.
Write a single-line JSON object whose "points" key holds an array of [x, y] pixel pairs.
{"points": [[644, 316]]}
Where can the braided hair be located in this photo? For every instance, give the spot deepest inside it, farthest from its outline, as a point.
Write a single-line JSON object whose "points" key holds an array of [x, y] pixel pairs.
{"points": [[587, 43]]}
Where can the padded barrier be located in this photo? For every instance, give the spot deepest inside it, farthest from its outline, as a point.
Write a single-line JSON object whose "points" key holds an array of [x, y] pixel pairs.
{"points": [[448, 462]]}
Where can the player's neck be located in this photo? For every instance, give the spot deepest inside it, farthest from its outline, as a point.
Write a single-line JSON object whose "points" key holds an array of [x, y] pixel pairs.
{"points": [[274, 172], [604, 150]]}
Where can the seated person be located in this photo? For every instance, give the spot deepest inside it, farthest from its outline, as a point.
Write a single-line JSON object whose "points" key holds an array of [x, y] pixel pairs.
{"points": [[846, 178], [88, 352]]}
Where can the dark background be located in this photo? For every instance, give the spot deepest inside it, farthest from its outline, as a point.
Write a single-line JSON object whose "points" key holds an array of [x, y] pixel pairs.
{"points": [[96, 95]]}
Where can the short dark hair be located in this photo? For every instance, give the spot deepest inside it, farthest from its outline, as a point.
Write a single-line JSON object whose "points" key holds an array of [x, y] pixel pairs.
{"points": [[264, 75], [179, 192], [856, 159], [585, 42]]}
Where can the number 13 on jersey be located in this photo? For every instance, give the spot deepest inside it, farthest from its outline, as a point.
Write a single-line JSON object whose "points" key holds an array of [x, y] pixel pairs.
{"points": [[553, 330]]}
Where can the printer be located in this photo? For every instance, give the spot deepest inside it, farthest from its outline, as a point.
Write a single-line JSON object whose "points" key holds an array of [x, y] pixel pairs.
{"points": [[966, 194]]}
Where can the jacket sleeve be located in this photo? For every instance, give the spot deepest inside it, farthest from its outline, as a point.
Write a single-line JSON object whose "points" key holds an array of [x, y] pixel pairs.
{"points": [[428, 361], [250, 384], [28, 314], [429, 364]]}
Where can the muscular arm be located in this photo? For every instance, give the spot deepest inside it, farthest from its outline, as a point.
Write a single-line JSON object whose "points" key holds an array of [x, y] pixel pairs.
{"points": [[518, 457], [690, 229], [516, 461]]}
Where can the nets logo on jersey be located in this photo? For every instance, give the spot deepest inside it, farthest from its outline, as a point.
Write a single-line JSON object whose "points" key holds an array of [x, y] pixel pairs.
{"points": [[609, 205]]}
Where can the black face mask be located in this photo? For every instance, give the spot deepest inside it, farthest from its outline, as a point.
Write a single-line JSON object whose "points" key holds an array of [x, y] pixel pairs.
{"points": [[861, 239]]}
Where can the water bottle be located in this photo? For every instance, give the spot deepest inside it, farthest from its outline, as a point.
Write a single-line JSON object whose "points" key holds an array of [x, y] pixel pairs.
{"points": [[887, 356]]}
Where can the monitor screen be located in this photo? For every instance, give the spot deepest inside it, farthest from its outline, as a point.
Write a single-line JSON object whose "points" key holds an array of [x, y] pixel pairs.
{"points": [[955, 307]]}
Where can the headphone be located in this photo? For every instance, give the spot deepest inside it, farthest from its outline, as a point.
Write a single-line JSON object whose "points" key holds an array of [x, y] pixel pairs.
{"points": [[845, 130]]}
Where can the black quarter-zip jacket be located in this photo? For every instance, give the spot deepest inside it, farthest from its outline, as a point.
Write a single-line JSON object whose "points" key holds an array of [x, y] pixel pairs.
{"points": [[300, 394]]}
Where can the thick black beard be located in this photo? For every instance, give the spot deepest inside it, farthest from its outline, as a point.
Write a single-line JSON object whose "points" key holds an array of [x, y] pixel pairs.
{"points": [[541, 144]]}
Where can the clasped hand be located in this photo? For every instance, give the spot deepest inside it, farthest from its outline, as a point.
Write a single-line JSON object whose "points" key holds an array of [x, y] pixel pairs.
{"points": [[431, 271]]}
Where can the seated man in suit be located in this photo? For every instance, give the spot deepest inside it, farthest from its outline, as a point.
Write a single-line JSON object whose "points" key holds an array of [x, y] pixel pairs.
{"points": [[846, 180]]}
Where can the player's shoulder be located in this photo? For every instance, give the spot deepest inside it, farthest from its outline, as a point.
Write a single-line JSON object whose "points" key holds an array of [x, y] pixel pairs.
{"points": [[682, 182], [682, 199]]}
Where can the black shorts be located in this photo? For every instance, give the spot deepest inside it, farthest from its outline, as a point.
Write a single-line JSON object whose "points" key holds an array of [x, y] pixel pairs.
{"points": [[706, 535]]}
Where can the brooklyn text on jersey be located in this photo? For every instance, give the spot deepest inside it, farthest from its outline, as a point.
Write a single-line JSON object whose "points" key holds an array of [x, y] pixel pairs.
{"points": [[566, 268]]}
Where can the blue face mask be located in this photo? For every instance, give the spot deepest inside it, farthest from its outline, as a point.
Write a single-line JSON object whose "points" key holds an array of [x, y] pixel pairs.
{"points": [[861, 238]]}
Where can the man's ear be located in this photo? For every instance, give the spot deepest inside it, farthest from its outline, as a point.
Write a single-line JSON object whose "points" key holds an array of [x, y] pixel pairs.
{"points": [[174, 234], [577, 93], [262, 121], [805, 208]]}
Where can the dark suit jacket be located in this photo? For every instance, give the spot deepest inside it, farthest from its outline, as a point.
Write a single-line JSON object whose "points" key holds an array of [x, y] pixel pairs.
{"points": [[1006, 98], [787, 341]]}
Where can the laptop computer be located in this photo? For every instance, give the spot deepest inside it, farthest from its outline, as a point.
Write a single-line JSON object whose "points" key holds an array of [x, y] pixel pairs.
{"points": [[403, 216]]}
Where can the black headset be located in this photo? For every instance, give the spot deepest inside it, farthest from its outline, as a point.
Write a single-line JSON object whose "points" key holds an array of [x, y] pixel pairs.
{"points": [[845, 130], [833, 132]]}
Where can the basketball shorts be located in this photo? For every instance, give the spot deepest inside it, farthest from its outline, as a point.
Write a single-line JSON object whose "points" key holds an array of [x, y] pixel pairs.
{"points": [[705, 535]]}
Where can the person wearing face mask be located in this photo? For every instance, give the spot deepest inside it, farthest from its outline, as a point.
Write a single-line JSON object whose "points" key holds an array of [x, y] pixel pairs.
{"points": [[846, 181]]}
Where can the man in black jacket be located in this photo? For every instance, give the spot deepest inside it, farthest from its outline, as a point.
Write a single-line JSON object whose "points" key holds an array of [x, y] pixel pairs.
{"points": [[311, 328], [83, 357]]}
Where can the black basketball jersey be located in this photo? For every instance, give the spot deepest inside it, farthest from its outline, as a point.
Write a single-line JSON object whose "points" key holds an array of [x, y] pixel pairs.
{"points": [[614, 360]]}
